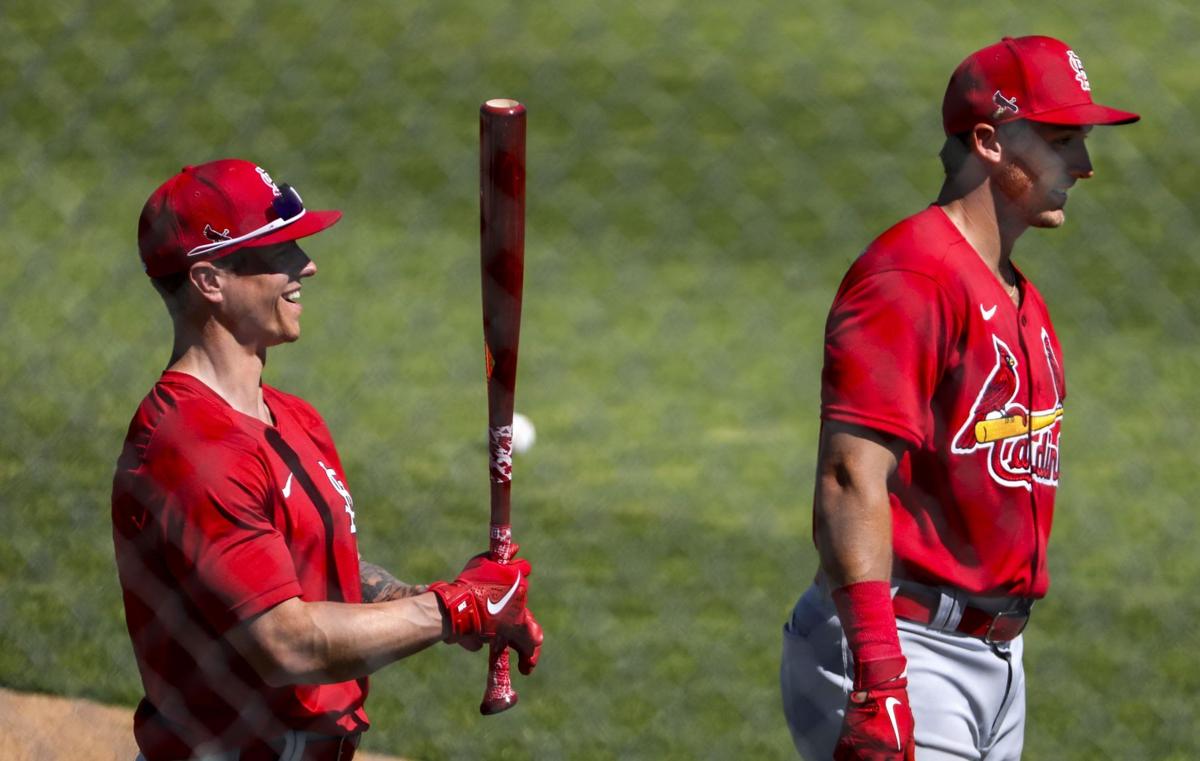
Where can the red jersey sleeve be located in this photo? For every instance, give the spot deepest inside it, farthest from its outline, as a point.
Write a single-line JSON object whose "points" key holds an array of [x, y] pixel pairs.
{"points": [[886, 343], [217, 534]]}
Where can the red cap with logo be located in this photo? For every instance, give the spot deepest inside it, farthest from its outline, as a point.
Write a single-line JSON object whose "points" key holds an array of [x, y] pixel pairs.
{"points": [[1035, 78], [209, 211]]}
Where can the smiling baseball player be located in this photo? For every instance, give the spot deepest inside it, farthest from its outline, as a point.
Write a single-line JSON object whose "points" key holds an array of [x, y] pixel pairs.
{"points": [[942, 404], [234, 528]]}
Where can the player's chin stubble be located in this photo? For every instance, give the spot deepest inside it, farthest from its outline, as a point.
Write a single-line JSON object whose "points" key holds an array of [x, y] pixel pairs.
{"points": [[1049, 219]]}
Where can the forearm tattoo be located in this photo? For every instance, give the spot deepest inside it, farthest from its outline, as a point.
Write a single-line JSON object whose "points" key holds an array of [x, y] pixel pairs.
{"points": [[379, 586]]}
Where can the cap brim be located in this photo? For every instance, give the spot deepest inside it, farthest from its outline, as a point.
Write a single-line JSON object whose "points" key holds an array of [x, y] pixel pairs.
{"points": [[311, 223], [1085, 114]]}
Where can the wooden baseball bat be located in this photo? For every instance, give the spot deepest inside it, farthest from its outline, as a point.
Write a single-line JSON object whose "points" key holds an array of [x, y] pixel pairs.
{"points": [[502, 263]]}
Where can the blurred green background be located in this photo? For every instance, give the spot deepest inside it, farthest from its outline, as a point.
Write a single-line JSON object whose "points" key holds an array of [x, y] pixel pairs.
{"points": [[700, 175]]}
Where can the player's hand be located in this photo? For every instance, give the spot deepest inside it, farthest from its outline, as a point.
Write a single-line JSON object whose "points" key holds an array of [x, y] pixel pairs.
{"points": [[526, 639], [486, 604], [879, 724]]}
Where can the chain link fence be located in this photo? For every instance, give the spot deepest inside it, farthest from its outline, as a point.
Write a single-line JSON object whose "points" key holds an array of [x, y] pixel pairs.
{"points": [[700, 176]]}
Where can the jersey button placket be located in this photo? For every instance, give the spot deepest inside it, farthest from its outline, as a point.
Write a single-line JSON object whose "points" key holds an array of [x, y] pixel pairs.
{"points": [[1035, 561]]}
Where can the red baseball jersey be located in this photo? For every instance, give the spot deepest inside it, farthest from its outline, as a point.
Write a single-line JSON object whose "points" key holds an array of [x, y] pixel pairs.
{"points": [[218, 517], [923, 343]]}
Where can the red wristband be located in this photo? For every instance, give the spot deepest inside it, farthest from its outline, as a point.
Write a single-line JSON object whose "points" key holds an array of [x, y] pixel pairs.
{"points": [[459, 606], [869, 622]]}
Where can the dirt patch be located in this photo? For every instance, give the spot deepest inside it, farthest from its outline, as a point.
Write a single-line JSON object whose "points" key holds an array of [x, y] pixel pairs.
{"points": [[48, 728]]}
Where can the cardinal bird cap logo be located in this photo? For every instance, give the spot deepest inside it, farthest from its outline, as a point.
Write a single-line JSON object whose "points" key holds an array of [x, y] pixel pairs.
{"points": [[1004, 104], [215, 236]]}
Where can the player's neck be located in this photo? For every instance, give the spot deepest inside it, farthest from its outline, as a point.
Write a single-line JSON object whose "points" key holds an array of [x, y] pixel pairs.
{"points": [[992, 236], [232, 370]]}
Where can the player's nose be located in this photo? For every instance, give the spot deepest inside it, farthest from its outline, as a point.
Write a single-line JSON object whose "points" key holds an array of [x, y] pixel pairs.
{"points": [[1081, 164], [309, 270]]}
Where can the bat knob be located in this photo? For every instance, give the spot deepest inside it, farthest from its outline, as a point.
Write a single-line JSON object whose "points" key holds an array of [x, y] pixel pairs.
{"points": [[489, 707]]}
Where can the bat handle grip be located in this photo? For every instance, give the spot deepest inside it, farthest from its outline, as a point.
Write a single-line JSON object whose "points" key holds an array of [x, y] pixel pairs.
{"points": [[499, 694]]}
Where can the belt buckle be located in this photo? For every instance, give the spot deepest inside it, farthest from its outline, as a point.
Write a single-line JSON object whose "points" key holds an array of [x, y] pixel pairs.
{"points": [[1007, 625]]}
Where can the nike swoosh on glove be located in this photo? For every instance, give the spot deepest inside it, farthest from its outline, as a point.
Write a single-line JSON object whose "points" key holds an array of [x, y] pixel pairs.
{"points": [[486, 603], [878, 725]]}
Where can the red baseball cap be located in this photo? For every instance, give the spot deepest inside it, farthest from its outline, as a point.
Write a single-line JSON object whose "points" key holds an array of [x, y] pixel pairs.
{"points": [[1035, 78], [209, 211]]}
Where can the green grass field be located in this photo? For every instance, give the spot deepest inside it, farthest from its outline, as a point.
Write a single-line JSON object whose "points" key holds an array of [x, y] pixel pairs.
{"points": [[700, 175]]}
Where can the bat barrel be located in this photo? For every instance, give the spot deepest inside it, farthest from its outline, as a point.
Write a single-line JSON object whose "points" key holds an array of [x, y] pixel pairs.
{"points": [[502, 246]]}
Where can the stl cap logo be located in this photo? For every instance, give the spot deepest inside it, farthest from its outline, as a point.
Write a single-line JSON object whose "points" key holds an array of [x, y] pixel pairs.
{"points": [[1080, 74], [266, 178], [1004, 104], [214, 236]]}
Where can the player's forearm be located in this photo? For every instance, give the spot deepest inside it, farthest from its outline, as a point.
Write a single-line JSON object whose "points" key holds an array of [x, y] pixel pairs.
{"points": [[326, 642], [350, 641]]}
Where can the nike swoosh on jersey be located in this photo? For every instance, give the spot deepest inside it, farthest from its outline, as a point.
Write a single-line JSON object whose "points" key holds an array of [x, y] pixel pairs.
{"points": [[498, 605], [287, 488], [987, 313], [890, 704]]}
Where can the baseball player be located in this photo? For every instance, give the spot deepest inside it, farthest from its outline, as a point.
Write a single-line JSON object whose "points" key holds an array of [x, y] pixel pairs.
{"points": [[233, 522], [942, 402]]}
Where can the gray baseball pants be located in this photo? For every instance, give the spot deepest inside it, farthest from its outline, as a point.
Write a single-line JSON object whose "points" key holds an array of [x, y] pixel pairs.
{"points": [[967, 697]]}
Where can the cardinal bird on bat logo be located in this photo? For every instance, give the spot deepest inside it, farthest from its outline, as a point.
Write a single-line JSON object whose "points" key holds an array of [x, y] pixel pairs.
{"points": [[1021, 447]]}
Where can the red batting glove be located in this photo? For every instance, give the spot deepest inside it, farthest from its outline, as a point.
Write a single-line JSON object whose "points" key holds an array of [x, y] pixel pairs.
{"points": [[486, 603], [879, 723]]}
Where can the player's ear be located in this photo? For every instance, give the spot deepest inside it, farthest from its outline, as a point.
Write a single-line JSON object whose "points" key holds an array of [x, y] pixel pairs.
{"points": [[206, 279], [985, 144]]}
